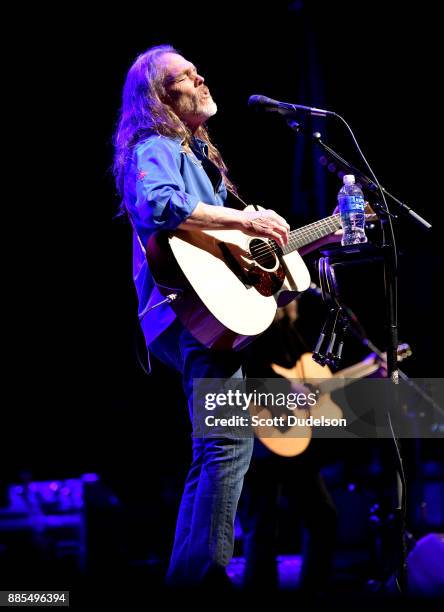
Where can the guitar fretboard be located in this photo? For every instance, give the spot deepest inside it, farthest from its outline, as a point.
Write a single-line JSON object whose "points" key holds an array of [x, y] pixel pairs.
{"points": [[312, 232]]}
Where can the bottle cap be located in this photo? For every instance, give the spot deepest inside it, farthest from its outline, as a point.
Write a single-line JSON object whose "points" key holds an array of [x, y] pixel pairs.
{"points": [[349, 179]]}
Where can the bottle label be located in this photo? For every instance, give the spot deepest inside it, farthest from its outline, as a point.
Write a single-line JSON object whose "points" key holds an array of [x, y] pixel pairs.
{"points": [[351, 203]]}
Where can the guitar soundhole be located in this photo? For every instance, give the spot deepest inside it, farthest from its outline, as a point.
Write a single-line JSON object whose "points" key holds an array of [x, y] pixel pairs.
{"points": [[263, 253]]}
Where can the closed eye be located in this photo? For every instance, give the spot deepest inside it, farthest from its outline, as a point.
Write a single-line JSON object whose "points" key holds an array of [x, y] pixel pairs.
{"points": [[190, 73]]}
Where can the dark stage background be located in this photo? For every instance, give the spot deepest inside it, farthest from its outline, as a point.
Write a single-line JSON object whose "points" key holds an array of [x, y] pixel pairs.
{"points": [[81, 400]]}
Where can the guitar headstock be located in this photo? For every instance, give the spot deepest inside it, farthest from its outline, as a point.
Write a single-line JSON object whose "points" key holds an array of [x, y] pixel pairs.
{"points": [[403, 352]]}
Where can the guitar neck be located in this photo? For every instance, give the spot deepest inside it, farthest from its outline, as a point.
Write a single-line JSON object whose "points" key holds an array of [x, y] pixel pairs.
{"points": [[310, 233], [345, 377]]}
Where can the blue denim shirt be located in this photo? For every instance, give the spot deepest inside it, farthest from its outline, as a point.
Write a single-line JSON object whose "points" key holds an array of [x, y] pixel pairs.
{"points": [[163, 184]]}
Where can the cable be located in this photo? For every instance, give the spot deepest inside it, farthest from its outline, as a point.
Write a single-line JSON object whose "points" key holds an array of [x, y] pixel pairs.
{"points": [[169, 298]]}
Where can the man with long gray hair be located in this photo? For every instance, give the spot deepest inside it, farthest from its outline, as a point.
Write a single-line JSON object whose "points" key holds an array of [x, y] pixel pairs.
{"points": [[171, 176]]}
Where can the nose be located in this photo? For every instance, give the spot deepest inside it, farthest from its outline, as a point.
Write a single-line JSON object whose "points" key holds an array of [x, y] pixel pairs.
{"points": [[199, 80]]}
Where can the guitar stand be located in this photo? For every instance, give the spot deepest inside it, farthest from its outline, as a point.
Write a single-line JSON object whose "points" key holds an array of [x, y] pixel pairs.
{"points": [[337, 322], [358, 254]]}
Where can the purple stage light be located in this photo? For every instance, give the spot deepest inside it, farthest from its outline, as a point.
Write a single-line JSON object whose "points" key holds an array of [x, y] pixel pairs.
{"points": [[90, 477]]}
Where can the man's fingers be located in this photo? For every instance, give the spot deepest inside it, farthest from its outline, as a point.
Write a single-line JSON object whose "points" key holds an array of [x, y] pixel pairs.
{"points": [[279, 238], [282, 232], [269, 224], [280, 219], [281, 226]]}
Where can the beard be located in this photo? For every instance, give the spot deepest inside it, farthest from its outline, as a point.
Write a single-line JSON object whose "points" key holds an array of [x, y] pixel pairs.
{"points": [[208, 108], [196, 106]]}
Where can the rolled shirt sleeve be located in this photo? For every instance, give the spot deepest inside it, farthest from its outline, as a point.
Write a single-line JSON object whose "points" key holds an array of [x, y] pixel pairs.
{"points": [[160, 201], [163, 184]]}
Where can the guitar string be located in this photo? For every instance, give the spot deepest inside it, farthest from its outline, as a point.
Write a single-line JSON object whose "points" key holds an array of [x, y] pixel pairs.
{"points": [[311, 230], [295, 241], [298, 234], [272, 247]]}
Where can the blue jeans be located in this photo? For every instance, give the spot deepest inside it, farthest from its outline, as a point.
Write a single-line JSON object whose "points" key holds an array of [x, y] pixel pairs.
{"points": [[204, 538]]}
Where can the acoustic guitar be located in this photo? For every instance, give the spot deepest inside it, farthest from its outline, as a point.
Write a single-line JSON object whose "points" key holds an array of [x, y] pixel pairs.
{"points": [[228, 285], [287, 442]]}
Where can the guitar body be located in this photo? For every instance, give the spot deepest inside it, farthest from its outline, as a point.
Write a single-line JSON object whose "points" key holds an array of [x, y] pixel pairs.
{"points": [[295, 440], [229, 284], [284, 442], [307, 369]]}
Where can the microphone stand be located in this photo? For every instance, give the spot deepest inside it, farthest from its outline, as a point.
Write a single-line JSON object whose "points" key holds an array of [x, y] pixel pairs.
{"points": [[365, 180], [389, 254]]}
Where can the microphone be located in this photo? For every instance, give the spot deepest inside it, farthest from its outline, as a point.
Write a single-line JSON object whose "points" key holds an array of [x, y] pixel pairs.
{"points": [[284, 108]]}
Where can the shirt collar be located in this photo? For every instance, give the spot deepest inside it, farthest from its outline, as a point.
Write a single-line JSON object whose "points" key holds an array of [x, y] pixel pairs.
{"points": [[200, 144]]}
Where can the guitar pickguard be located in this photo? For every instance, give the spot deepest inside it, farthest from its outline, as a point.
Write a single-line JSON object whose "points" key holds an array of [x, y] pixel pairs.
{"points": [[266, 282]]}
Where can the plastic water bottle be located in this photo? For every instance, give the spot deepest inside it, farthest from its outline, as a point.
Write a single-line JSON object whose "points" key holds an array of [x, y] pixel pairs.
{"points": [[352, 211]]}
